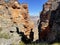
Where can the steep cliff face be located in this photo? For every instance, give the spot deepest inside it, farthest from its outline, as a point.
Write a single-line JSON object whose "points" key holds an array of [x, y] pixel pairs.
{"points": [[50, 21], [56, 19], [14, 18]]}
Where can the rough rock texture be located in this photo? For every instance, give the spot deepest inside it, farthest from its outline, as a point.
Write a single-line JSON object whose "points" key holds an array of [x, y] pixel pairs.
{"points": [[14, 18], [49, 26]]}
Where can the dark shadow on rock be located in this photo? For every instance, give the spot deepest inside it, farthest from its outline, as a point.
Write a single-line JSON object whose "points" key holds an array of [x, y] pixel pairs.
{"points": [[57, 21], [39, 30], [54, 18], [31, 35], [42, 33], [24, 37]]}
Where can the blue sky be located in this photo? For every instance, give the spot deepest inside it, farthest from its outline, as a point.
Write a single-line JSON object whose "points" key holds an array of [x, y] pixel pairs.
{"points": [[34, 6]]}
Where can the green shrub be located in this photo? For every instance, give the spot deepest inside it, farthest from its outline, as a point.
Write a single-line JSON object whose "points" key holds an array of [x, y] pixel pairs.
{"points": [[56, 44], [38, 44], [4, 35], [0, 29], [21, 43], [12, 44]]}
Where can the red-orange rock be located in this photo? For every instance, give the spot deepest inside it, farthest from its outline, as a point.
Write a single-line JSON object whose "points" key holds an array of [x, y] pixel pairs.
{"points": [[18, 13]]}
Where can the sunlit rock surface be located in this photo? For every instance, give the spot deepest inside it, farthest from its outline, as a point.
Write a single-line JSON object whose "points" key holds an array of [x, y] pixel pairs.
{"points": [[14, 15]]}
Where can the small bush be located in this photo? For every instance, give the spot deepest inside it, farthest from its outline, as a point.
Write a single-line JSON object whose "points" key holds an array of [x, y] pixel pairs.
{"points": [[0, 29], [56, 44], [21, 43], [38, 44], [12, 44], [4, 35]]}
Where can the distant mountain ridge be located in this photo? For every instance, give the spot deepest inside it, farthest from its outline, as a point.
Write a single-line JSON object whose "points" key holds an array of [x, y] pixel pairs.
{"points": [[34, 19]]}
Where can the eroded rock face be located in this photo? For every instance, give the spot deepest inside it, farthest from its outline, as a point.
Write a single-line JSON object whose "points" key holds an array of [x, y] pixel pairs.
{"points": [[20, 16], [49, 21], [13, 16]]}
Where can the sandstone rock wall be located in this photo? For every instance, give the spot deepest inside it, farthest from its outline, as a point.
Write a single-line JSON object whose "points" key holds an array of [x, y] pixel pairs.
{"points": [[12, 15]]}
